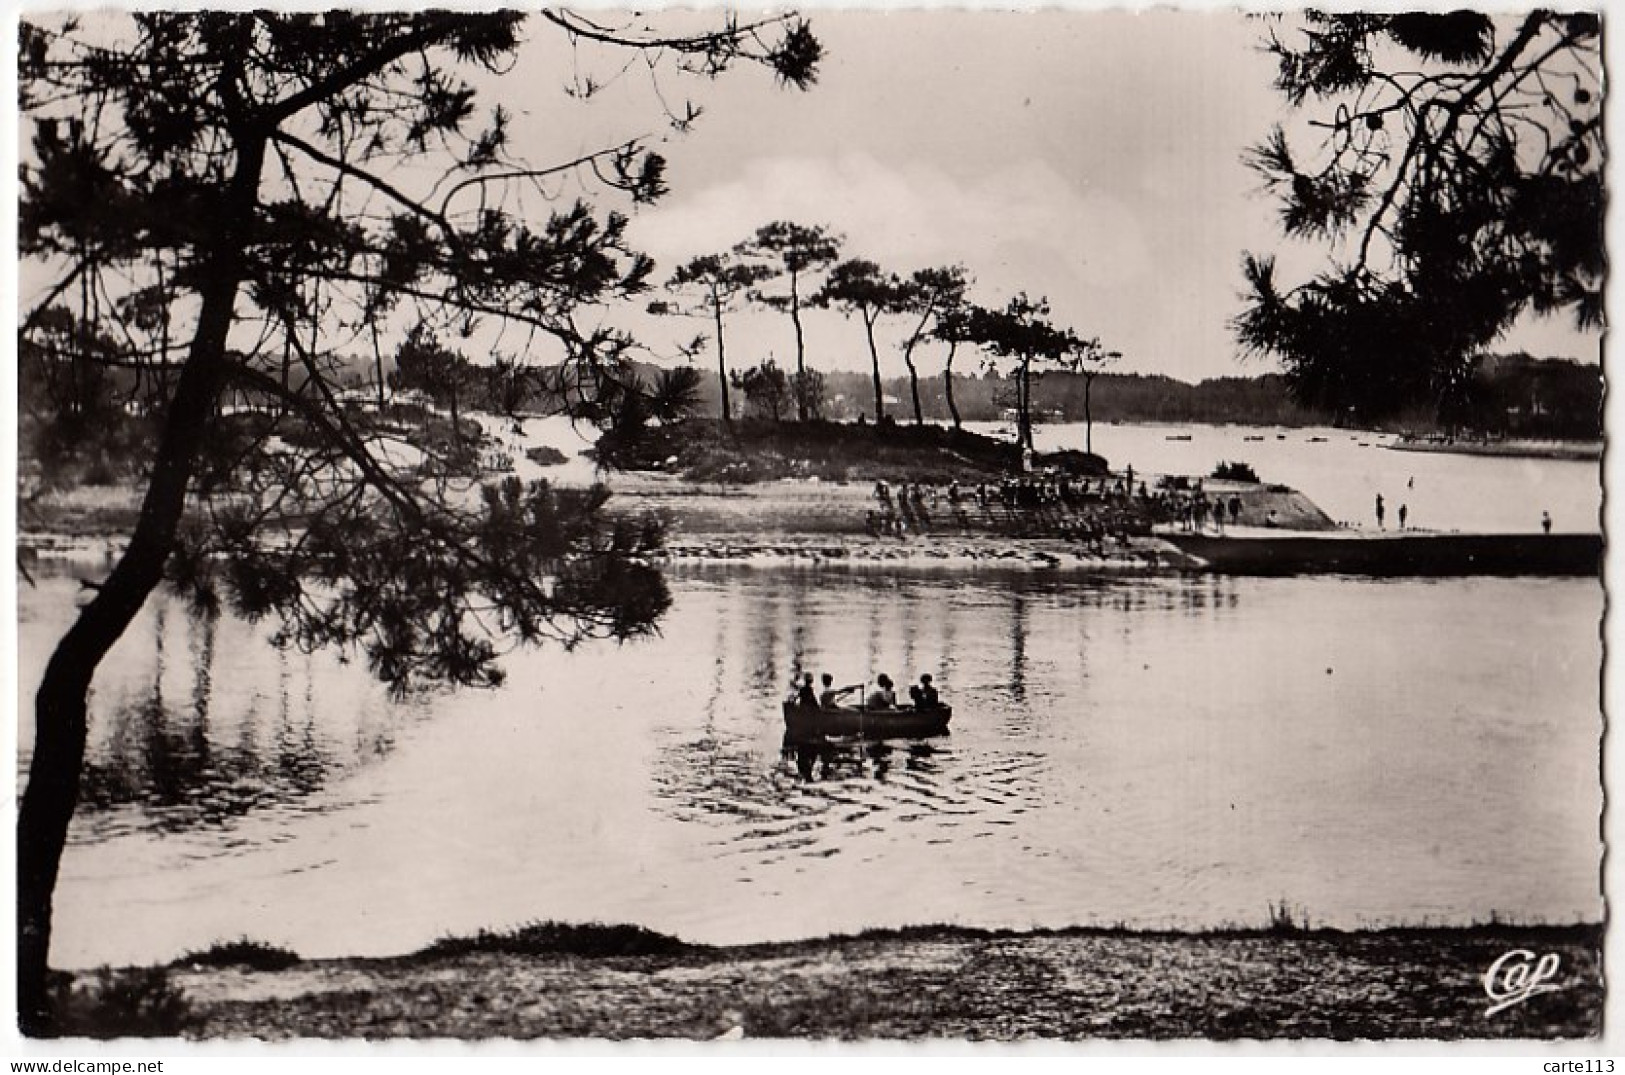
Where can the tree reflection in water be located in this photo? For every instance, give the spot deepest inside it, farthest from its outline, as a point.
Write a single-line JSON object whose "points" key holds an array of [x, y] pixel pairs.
{"points": [[1018, 650], [166, 766]]}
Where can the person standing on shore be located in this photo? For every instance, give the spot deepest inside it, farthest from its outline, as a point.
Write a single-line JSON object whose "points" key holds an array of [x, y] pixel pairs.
{"points": [[1404, 510], [1546, 522], [1379, 511]]}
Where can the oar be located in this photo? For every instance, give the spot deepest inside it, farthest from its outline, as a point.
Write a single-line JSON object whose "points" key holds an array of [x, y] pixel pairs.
{"points": [[863, 707]]}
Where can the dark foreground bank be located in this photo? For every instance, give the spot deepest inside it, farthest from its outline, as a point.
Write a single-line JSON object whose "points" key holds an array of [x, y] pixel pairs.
{"points": [[930, 982]]}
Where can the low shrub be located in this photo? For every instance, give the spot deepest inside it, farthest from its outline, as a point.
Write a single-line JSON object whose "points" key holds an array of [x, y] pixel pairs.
{"points": [[138, 1002], [559, 938], [544, 455], [255, 955], [1286, 919], [1236, 472]]}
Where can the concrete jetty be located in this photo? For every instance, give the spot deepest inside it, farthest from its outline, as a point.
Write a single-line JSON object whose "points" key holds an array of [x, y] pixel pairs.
{"points": [[1396, 555]]}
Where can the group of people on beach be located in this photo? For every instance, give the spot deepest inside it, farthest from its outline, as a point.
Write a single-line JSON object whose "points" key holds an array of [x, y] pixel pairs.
{"points": [[1194, 509], [923, 694], [1090, 510]]}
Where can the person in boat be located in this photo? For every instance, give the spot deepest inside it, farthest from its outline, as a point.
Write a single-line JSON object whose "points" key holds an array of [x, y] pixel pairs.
{"points": [[883, 696], [924, 694], [831, 695], [805, 698]]}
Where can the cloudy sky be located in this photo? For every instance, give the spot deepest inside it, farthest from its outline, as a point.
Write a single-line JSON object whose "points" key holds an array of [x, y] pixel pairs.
{"points": [[1091, 156]]}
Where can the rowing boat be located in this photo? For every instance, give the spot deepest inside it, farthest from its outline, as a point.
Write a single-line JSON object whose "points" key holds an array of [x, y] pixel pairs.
{"points": [[804, 724]]}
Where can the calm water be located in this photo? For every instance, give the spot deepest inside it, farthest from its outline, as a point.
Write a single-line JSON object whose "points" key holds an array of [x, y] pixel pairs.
{"points": [[1178, 752], [1343, 471]]}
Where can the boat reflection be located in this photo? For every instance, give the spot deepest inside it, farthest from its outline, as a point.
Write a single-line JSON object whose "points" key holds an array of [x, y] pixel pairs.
{"points": [[832, 759]]}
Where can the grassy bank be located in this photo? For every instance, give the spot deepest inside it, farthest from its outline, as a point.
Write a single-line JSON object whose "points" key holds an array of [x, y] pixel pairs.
{"points": [[758, 450], [929, 982]]}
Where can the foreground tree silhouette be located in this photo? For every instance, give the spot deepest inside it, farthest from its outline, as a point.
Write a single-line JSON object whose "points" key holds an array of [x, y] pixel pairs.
{"points": [[222, 195], [794, 251], [1459, 184]]}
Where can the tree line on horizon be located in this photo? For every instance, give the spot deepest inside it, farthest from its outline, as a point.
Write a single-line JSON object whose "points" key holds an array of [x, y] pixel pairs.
{"points": [[791, 267], [1514, 394]]}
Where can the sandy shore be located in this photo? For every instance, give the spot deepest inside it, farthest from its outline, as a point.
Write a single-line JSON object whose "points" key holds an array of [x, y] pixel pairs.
{"points": [[807, 508], [1135, 555], [804, 523], [775, 522], [934, 982]]}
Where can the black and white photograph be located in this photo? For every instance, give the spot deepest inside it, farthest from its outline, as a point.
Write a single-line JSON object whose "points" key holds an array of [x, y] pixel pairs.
{"points": [[780, 529]]}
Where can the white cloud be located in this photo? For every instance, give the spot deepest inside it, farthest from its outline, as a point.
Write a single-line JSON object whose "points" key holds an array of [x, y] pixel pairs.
{"points": [[1021, 227]]}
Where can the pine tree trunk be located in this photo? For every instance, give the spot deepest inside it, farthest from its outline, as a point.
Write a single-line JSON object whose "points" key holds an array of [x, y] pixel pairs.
{"points": [[1088, 419], [1024, 413], [914, 387], [52, 793], [378, 371], [948, 385], [874, 359], [801, 353], [60, 704], [722, 371]]}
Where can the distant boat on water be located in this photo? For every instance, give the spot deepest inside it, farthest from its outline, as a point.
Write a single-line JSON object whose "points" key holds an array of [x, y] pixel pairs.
{"points": [[1177, 436]]}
